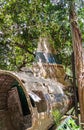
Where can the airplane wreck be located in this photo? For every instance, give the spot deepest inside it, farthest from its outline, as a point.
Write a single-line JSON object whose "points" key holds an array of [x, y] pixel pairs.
{"points": [[28, 97]]}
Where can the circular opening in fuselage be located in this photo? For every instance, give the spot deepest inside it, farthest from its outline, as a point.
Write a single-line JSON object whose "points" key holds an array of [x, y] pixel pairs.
{"points": [[15, 113]]}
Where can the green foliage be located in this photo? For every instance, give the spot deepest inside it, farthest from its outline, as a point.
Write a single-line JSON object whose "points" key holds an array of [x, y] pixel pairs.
{"points": [[23, 22], [56, 116], [68, 124], [71, 123]]}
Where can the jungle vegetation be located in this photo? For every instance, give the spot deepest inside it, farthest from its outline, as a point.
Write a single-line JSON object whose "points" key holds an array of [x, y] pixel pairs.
{"points": [[23, 22]]}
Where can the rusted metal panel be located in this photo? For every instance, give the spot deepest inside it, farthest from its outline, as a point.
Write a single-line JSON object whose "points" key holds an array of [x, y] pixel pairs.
{"points": [[40, 112], [40, 91]]}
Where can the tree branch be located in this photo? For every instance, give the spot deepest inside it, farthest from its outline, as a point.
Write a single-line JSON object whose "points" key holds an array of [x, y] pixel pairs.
{"points": [[22, 46]]}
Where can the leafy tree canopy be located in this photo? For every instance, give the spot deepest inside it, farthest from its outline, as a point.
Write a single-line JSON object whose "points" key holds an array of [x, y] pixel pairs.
{"points": [[23, 22]]}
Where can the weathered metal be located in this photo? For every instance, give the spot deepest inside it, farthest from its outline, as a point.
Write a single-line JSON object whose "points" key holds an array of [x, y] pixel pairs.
{"points": [[43, 96], [27, 98]]}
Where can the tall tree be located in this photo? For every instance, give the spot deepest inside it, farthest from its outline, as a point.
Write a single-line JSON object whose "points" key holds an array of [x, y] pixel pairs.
{"points": [[77, 48], [22, 22]]}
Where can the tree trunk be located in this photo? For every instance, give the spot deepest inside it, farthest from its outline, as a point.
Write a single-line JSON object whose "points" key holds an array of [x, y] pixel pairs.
{"points": [[77, 47], [75, 90]]}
